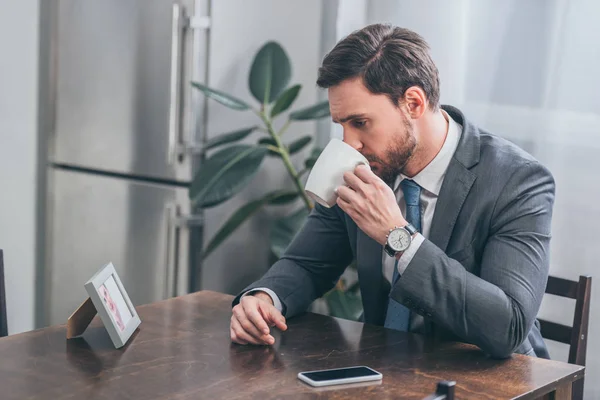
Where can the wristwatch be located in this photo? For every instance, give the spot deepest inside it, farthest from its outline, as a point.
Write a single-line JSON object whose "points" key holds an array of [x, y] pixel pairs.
{"points": [[399, 239]]}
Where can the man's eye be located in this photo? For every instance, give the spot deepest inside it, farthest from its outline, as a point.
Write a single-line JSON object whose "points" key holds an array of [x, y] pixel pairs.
{"points": [[359, 123]]}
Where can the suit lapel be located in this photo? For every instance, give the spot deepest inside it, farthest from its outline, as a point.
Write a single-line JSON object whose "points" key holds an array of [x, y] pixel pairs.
{"points": [[457, 184]]}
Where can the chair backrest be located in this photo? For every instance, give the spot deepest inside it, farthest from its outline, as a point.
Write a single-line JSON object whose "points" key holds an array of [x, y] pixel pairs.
{"points": [[3, 320], [444, 391], [575, 336]]}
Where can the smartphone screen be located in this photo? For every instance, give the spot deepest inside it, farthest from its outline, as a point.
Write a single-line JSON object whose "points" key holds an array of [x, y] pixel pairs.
{"points": [[341, 373]]}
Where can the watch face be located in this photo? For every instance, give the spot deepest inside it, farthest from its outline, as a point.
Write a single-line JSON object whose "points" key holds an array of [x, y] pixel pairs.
{"points": [[399, 239]]}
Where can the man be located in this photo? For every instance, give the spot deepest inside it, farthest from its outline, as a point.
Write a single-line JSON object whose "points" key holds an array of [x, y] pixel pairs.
{"points": [[468, 214]]}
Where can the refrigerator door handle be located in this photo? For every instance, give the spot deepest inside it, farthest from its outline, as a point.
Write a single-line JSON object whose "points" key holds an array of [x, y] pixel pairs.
{"points": [[171, 252], [175, 222], [175, 95]]}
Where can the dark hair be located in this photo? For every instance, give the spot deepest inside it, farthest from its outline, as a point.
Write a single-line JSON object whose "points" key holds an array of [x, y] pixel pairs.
{"points": [[389, 59]]}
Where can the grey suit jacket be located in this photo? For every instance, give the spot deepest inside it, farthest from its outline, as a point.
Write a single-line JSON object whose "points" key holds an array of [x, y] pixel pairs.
{"points": [[481, 275]]}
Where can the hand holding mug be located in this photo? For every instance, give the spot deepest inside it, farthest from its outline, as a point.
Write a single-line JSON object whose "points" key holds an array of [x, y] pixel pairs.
{"points": [[370, 202]]}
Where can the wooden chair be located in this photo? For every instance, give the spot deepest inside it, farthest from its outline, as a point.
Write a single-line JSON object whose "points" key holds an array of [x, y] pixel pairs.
{"points": [[445, 391], [3, 321], [576, 336]]}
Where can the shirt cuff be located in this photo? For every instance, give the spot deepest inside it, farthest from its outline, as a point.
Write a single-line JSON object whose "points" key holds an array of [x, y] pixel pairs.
{"points": [[408, 255], [276, 302]]}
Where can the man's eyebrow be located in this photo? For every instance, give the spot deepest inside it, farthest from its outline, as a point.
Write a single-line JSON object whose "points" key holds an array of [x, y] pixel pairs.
{"points": [[348, 118]]}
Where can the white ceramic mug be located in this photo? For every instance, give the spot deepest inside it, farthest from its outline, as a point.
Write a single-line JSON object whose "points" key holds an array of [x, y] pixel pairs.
{"points": [[328, 172]]}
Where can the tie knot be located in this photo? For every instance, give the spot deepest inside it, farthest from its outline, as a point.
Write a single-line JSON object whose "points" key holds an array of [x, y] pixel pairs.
{"points": [[411, 191]]}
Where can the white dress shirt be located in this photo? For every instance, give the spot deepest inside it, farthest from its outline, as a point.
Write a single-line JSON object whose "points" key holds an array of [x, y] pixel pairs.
{"points": [[430, 179]]}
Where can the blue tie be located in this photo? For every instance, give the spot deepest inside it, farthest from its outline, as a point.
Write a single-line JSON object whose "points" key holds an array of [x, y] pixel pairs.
{"points": [[398, 316]]}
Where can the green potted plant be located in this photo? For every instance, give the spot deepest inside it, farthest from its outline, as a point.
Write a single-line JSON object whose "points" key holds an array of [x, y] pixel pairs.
{"points": [[231, 165]]}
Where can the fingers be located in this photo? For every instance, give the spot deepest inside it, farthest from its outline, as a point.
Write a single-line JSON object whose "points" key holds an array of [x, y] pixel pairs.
{"points": [[364, 173], [272, 316], [344, 205], [233, 334], [251, 319], [248, 327], [353, 181], [348, 196], [239, 335], [251, 312]]}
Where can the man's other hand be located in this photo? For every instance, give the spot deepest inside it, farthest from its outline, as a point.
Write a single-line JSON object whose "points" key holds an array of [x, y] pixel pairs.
{"points": [[252, 319]]}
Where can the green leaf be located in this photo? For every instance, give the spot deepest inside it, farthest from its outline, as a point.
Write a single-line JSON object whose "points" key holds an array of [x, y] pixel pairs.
{"points": [[284, 230], [270, 73], [241, 216], [285, 100], [225, 173], [228, 137], [267, 141], [344, 304], [312, 159], [317, 111], [223, 98], [299, 144], [284, 198]]}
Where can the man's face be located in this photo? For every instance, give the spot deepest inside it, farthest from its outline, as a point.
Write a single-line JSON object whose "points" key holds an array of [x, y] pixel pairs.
{"points": [[374, 126]]}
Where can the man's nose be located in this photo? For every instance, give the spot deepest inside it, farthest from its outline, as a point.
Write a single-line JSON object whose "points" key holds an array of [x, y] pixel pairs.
{"points": [[352, 139]]}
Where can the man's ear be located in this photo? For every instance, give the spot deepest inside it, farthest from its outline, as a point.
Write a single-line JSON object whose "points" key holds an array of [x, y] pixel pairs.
{"points": [[415, 102]]}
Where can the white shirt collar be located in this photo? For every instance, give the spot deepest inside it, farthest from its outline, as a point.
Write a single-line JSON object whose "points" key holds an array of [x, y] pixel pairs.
{"points": [[431, 177]]}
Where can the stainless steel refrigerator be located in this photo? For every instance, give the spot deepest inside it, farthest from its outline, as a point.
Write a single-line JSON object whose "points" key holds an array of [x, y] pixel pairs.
{"points": [[120, 147]]}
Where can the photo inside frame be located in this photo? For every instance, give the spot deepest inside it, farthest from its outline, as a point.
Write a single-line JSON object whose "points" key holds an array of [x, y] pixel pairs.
{"points": [[113, 299]]}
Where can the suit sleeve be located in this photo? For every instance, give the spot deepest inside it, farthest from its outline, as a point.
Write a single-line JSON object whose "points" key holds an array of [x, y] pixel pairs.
{"points": [[497, 309], [312, 264]]}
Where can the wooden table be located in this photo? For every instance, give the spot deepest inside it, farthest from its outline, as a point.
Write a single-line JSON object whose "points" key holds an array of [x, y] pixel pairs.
{"points": [[182, 351]]}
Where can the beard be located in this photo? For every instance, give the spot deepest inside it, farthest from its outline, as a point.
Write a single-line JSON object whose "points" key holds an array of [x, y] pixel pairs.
{"points": [[396, 156]]}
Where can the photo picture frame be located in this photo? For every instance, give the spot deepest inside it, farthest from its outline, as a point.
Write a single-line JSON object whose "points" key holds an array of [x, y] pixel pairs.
{"points": [[111, 301]]}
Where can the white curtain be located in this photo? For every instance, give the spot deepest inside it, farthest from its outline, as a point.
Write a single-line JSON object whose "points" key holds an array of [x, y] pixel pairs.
{"points": [[528, 71]]}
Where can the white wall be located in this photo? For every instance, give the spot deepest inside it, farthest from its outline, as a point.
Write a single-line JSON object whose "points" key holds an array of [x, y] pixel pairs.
{"points": [[238, 30], [18, 156]]}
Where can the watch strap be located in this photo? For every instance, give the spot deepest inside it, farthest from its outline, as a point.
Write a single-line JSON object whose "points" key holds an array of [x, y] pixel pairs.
{"points": [[411, 229], [390, 252]]}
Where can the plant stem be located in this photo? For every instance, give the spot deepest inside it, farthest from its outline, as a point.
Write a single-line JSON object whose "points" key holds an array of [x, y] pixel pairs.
{"points": [[273, 148], [285, 156]]}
